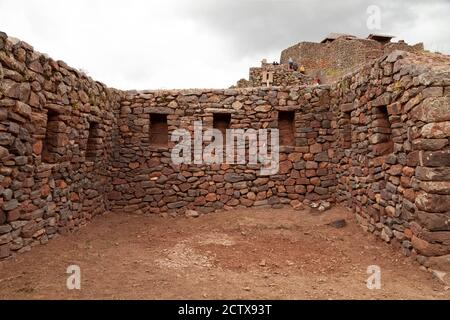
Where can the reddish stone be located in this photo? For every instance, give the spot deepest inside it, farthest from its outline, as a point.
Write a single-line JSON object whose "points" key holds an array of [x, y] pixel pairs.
{"points": [[5, 250], [246, 202], [74, 197], [315, 181], [436, 158], [294, 157], [303, 181], [61, 184], [408, 233], [210, 197], [14, 215], [315, 148], [199, 201], [412, 159], [301, 189], [408, 171], [394, 109], [285, 167], [297, 205], [37, 147], [119, 181], [395, 170], [251, 196], [45, 190], [437, 130], [114, 195], [133, 165], [382, 148], [295, 174], [154, 162], [218, 178], [405, 182], [261, 195], [289, 182], [34, 100], [184, 187], [433, 202], [310, 173], [429, 249], [438, 187], [233, 202], [409, 194]]}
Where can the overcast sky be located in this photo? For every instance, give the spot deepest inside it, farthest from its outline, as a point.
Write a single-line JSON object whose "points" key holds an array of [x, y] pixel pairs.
{"points": [[152, 44]]}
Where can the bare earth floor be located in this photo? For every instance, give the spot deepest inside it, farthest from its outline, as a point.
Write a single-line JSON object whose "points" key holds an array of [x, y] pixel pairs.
{"points": [[242, 254]]}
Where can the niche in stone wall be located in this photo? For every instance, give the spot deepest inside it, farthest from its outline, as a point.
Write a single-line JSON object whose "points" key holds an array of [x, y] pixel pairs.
{"points": [[159, 130], [56, 139], [94, 142], [221, 121], [286, 127], [346, 125], [381, 138]]}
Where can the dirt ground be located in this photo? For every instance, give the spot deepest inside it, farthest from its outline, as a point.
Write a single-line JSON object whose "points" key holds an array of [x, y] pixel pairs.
{"points": [[241, 254]]}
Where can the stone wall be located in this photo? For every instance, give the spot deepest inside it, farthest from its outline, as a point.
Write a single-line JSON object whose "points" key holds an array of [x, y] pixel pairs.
{"points": [[145, 180], [393, 151], [48, 184], [280, 76]]}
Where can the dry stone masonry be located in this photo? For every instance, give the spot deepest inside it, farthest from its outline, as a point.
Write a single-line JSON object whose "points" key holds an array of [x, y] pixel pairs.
{"points": [[395, 171], [274, 75], [56, 129], [376, 140], [339, 54], [146, 180]]}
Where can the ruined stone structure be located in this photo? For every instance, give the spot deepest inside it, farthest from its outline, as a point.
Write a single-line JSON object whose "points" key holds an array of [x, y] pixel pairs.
{"points": [[339, 54], [275, 75], [376, 140]]}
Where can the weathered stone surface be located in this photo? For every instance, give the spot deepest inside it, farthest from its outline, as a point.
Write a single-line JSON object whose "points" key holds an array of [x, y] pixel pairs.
{"points": [[436, 158], [263, 108], [430, 144], [438, 187], [178, 204], [382, 100], [22, 109], [433, 202], [436, 130], [434, 221], [4, 153], [441, 237], [232, 177], [441, 263], [5, 251], [433, 110], [10, 205], [192, 214], [429, 249], [433, 174]]}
